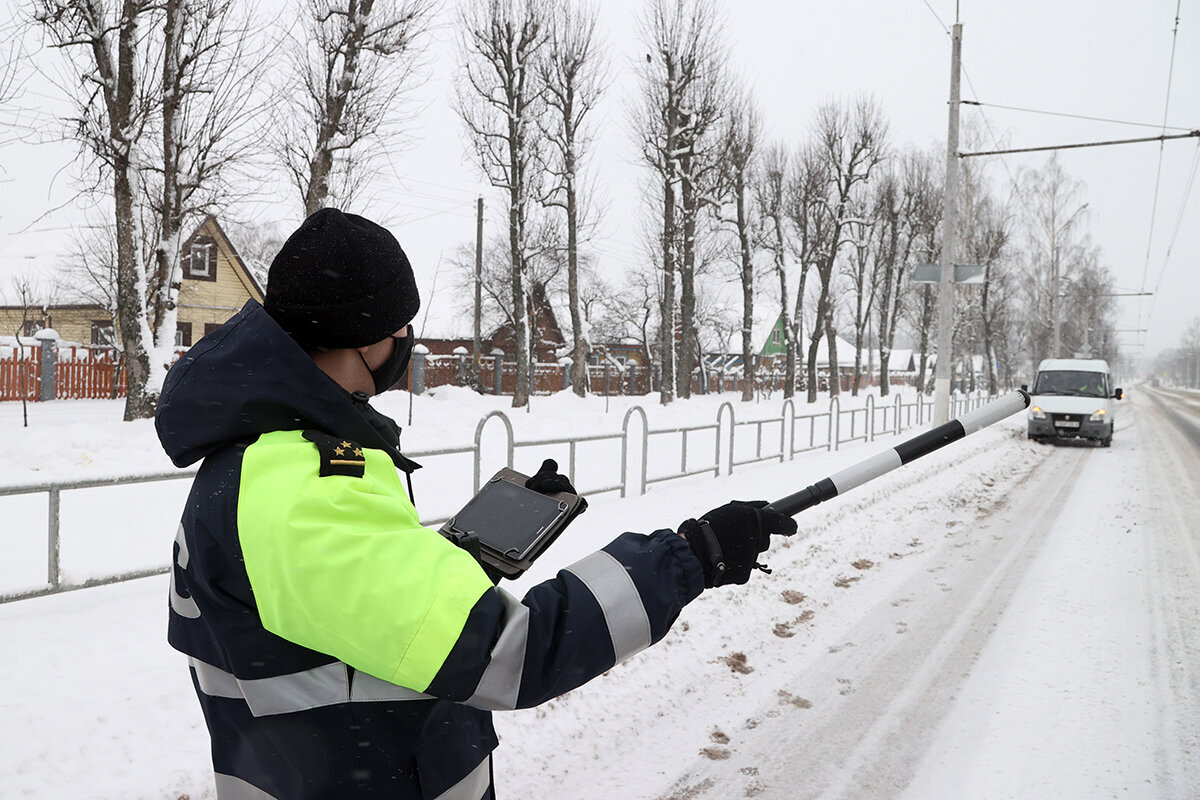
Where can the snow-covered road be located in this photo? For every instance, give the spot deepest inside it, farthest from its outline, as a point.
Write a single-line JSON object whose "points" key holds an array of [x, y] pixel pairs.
{"points": [[996, 620], [1041, 644]]}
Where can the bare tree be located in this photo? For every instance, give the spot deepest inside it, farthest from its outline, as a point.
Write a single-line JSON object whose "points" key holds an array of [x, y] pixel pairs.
{"points": [[631, 314], [207, 117], [986, 234], [923, 188], [852, 143], [1055, 251], [678, 108], [500, 100], [29, 299], [11, 57], [574, 75], [806, 209], [861, 269], [352, 66], [770, 196], [909, 196], [257, 244], [891, 245], [171, 68], [114, 102], [741, 153]]}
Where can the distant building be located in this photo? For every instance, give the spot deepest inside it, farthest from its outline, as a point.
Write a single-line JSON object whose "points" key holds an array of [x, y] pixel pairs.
{"points": [[546, 336], [215, 285]]}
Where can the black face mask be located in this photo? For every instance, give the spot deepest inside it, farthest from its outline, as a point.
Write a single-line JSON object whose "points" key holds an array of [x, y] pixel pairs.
{"points": [[392, 370]]}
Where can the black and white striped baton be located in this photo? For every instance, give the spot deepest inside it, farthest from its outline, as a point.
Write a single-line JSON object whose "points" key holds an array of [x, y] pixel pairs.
{"points": [[902, 453]]}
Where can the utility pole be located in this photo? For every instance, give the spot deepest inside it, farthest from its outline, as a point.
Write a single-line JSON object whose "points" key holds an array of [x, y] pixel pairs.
{"points": [[945, 340], [1054, 295], [478, 356]]}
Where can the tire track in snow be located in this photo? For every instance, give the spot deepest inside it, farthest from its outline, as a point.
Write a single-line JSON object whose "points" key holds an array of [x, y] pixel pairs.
{"points": [[1171, 585]]}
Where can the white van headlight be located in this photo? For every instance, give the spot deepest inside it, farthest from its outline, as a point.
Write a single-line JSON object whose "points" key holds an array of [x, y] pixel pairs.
{"points": [[1036, 412], [1099, 415]]}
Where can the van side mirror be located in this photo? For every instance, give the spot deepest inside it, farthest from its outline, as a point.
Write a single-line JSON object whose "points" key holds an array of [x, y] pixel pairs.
{"points": [[1119, 395]]}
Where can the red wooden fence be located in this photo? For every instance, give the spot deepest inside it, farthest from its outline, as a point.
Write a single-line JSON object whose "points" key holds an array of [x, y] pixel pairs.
{"points": [[83, 373], [18, 370]]}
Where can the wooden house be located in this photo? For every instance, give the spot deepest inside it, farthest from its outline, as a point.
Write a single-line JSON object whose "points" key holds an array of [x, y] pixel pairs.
{"points": [[215, 285]]}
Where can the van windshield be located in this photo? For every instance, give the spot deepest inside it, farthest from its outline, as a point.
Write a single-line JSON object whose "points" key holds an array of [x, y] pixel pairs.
{"points": [[1070, 382]]}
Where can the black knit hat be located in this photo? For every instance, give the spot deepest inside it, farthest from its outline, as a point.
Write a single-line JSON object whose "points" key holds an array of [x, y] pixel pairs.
{"points": [[341, 281]]}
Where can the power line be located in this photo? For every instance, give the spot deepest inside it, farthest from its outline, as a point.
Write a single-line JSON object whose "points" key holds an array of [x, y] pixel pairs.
{"points": [[1190, 135], [1187, 192], [935, 16], [1075, 116], [1158, 171]]}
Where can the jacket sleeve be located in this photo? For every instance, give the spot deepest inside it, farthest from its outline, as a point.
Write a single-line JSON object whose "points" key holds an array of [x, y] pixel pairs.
{"points": [[340, 565], [592, 615]]}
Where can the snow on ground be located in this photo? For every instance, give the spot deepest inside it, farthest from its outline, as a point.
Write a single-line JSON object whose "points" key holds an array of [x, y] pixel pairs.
{"points": [[925, 631]]}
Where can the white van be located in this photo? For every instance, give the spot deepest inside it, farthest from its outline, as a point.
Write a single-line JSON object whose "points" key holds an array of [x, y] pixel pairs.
{"points": [[1072, 397]]}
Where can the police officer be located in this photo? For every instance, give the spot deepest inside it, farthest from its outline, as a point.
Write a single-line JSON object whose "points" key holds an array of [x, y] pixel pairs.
{"points": [[338, 648]]}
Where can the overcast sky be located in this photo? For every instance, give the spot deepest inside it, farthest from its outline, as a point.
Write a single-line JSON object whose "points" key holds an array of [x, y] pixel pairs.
{"points": [[1096, 58]]}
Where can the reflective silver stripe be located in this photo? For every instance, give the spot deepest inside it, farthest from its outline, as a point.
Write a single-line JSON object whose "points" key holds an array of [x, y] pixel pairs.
{"points": [[183, 606], [233, 788], [614, 590], [214, 681], [471, 787], [326, 685], [369, 689], [501, 681]]}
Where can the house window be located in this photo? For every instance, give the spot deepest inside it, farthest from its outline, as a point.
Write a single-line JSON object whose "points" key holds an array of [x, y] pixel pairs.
{"points": [[103, 333], [183, 334], [209, 327], [31, 327], [777, 337], [200, 261]]}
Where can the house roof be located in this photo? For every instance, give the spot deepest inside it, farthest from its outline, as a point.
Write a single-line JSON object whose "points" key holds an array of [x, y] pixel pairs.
{"points": [[39, 254], [213, 224]]}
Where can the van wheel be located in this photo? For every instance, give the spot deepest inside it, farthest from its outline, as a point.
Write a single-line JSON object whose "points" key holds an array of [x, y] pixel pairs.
{"points": [[1106, 441]]}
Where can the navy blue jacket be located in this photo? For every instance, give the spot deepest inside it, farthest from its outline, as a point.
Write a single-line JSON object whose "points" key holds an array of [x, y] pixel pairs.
{"points": [[342, 712]]}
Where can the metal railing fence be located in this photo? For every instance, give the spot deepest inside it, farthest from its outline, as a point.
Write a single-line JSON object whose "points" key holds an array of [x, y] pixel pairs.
{"points": [[828, 429]]}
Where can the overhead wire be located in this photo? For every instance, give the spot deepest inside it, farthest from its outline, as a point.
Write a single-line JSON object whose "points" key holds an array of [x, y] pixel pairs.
{"points": [[1187, 192], [1161, 147], [1077, 116]]}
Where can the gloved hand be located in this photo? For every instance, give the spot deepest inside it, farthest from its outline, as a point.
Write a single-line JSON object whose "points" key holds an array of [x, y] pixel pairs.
{"points": [[727, 540], [548, 480]]}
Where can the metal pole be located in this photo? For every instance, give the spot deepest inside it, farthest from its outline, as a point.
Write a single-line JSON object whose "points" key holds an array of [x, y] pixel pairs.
{"points": [[945, 340], [478, 369], [1054, 293]]}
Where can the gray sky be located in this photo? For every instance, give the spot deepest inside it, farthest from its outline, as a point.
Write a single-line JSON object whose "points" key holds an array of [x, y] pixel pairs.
{"points": [[1099, 58]]}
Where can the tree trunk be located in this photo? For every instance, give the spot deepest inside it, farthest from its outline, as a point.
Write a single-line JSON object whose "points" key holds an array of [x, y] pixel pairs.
{"points": [[743, 227], [579, 350], [835, 375], [667, 359], [520, 311], [819, 329], [687, 282]]}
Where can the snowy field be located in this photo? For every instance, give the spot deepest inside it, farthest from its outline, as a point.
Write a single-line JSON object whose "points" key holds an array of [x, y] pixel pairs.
{"points": [[997, 620]]}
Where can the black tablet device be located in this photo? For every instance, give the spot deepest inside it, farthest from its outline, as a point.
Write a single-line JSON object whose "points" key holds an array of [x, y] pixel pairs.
{"points": [[513, 525]]}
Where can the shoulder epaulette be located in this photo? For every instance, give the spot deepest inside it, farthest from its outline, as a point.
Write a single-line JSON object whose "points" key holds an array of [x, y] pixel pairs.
{"points": [[338, 456]]}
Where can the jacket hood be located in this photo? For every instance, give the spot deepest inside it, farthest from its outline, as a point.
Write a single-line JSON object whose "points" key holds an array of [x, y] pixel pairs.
{"points": [[247, 378]]}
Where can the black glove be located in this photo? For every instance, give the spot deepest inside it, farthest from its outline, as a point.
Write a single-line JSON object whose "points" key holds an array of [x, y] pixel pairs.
{"points": [[547, 480], [727, 540]]}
